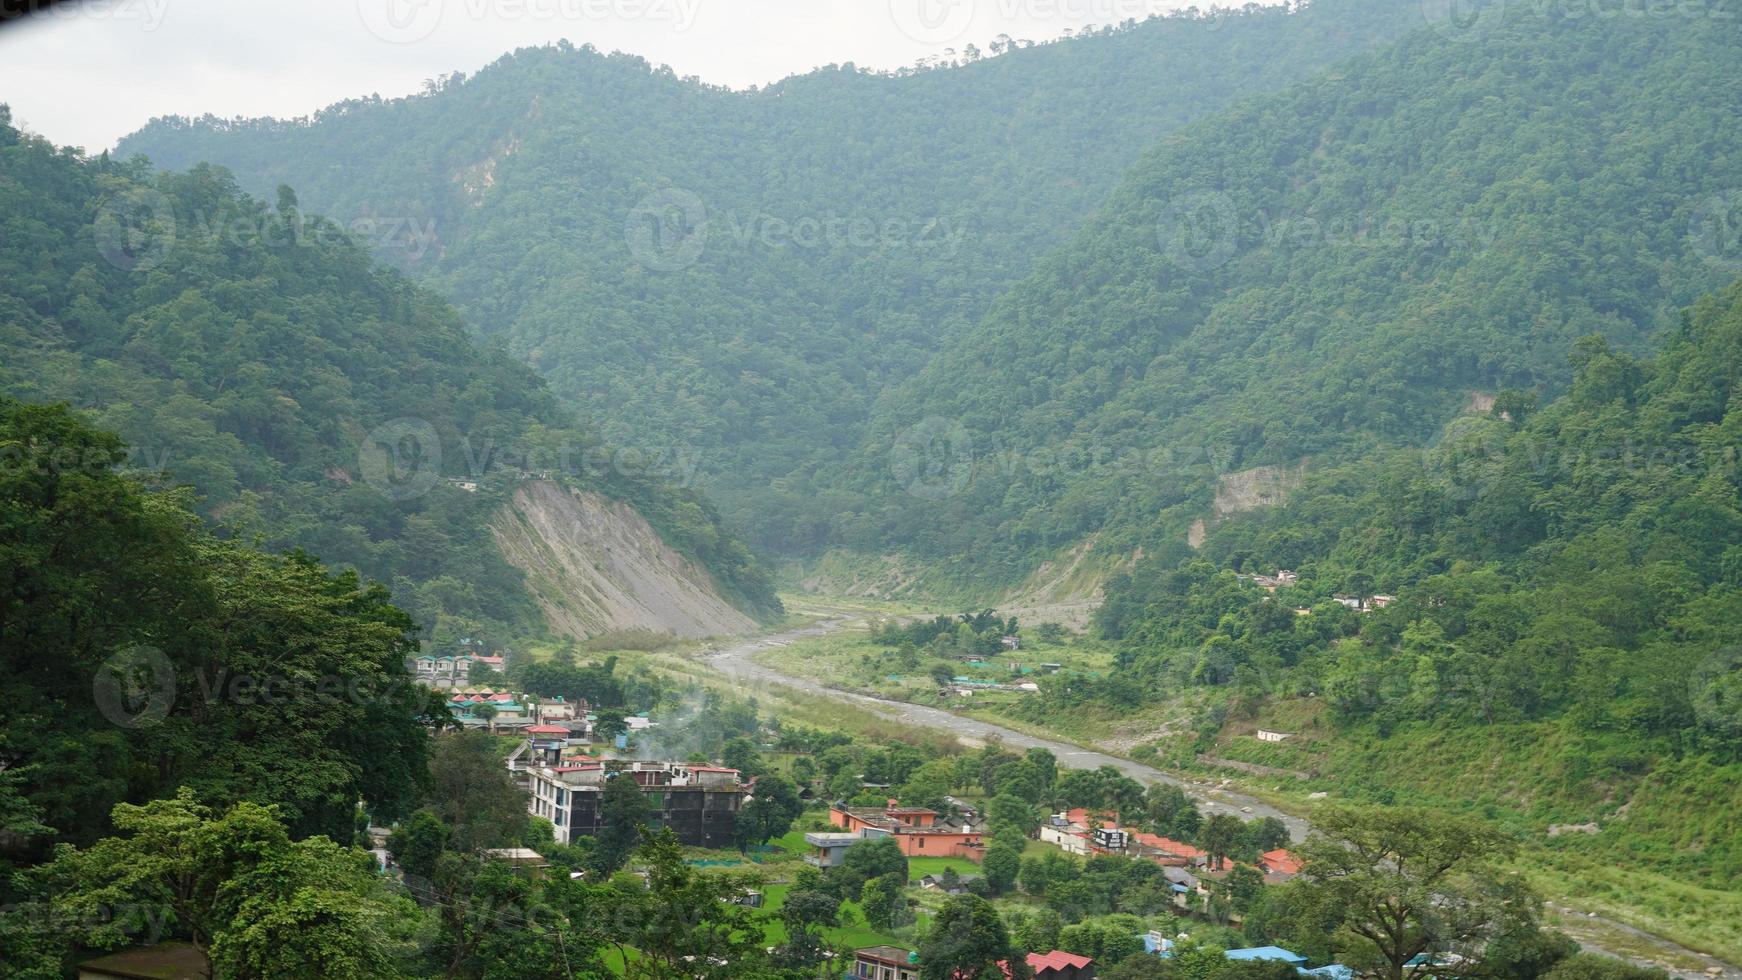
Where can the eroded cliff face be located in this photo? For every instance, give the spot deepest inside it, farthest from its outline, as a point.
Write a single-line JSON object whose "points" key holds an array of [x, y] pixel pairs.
{"points": [[595, 565]]}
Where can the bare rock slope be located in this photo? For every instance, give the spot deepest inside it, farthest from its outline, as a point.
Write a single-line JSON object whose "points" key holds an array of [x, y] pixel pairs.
{"points": [[595, 565]]}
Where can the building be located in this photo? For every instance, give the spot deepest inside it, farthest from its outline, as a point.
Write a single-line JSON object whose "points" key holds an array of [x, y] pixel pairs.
{"points": [[919, 831], [1268, 953], [828, 850], [697, 803], [1060, 965], [884, 963], [1280, 862], [1269, 736]]}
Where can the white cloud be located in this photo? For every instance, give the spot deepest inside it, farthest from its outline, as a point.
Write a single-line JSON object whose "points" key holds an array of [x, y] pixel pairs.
{"points": [[101, 69]]}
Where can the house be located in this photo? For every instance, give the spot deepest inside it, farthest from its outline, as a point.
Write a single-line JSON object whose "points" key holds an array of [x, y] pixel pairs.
{"points": [[829, 849], [697, 803], [163, 961], [920, 832], [520, 858], [884, 963], [1011, 642], [1280, 862], [1051, 668], [1156, 944], [1268, 953], [1268, 736], [496, 664], [943, 883], [1110, 838], [1060, 965], [1348, 601], [1380, 601]]}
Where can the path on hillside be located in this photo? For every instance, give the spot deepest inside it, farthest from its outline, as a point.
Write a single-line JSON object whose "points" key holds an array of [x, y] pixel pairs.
{"points": [[737, 661]]}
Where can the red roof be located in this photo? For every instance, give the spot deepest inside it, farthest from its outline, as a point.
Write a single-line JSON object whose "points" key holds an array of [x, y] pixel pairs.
{"points": [[1058, 959], [1169, 845], [546, 730], [1281, 862]]}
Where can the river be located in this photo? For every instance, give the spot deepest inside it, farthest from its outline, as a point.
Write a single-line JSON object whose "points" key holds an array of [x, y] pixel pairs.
{"points": [[737, 661]]}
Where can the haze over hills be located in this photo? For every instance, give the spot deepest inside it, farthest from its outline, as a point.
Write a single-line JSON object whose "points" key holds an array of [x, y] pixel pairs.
{"points": [[749, 298], [1317, 274], [311, 398]]}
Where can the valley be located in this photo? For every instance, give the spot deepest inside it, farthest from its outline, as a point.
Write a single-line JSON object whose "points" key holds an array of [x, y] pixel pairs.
{"points": [[800, 658]]}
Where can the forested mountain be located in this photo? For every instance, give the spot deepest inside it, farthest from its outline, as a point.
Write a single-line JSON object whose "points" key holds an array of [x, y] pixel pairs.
{"points": [[1318, 274], [742, 273], [315, 401], [1568, 582]]}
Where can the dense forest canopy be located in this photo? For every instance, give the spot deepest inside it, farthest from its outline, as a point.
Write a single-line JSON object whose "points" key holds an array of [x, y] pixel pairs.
{"points": [[311, 398], [741, 274], [1579, 564], [1316, 275]]}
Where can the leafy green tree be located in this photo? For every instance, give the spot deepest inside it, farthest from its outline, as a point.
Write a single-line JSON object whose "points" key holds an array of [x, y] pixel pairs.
{"points": [[1002, 865], [1414, 883], [883, 901], [968, 941], [418, 843], [1221, 836], [624, 811]]}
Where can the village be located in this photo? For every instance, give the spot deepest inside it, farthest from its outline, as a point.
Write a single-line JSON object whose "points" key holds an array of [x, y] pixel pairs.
{"points": [[565, 755]]}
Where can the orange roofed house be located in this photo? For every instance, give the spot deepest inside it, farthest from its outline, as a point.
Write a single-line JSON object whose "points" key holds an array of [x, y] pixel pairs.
{"points": [[920, 832]]}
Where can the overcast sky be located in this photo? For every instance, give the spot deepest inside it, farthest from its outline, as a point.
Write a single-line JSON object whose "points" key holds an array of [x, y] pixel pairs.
{"points": [[88, 73]]}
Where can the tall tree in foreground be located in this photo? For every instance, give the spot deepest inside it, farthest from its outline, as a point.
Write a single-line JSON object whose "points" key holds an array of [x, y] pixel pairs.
{"points": [[1421, 892], [968, 941]]}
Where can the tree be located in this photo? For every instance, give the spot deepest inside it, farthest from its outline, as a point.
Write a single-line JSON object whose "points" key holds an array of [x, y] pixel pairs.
{"points": [[1222, 835], [610, 723], [968, 941], [623, 810], [883, 901], [236, 887], [473, 794], [1266, 834], [874, 858], [682, 925], [1414, 883], [805, 914], [1245, 887], [418, 843], [1001, 866]]}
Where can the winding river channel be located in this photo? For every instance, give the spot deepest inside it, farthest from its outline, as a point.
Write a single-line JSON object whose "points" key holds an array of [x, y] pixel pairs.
{"points": [[736, 660]]}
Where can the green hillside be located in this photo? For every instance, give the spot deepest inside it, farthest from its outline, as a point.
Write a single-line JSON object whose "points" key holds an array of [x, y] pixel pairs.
{"points": [[1318, 274], [314, 401], [743, 273], [1562, 645]]}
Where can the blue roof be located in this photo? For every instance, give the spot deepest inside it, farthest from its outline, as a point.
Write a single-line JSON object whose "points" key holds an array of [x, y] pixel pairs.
{"points": [[1267, 953]]}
